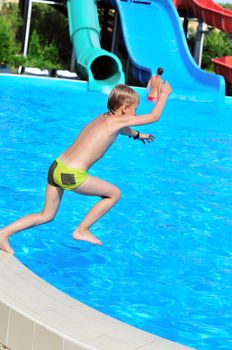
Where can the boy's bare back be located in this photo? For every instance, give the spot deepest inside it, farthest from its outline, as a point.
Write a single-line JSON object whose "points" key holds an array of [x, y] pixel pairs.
{"points": [[91, 143]]}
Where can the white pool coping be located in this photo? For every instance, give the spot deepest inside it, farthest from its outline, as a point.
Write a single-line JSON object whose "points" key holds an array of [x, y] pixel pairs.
{"points": [[36, 316]]}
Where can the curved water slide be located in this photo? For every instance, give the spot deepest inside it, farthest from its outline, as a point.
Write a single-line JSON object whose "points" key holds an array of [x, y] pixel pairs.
{"points": [[102, 69], [155, 38], [210, 12]]}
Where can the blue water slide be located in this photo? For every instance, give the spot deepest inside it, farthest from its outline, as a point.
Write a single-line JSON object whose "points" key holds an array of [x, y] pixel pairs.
{"points": [[154, 38], [102, 69]]}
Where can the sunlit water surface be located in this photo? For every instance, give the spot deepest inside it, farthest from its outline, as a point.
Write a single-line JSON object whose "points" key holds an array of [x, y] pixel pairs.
{"points": [[165, 265]]}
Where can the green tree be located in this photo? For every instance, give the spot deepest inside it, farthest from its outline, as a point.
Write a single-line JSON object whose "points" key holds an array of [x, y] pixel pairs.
{"points": [[226, 6], [216, 44], [46, 42], [42, 56], [52, 28], [50, 53], [10, 13], [7, 45], [34, 48]]}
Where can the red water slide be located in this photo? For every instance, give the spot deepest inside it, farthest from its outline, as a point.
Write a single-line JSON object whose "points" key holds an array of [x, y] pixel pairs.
{"points": [[216, 16], [210, 12], [223, 66]]}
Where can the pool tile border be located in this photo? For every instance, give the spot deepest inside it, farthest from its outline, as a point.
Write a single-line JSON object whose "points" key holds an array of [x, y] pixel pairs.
{"points": [[36, 316]]}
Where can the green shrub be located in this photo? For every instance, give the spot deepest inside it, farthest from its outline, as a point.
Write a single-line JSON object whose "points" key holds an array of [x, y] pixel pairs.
{"points": [[9, 46], [216, 44], [43, 49], [7, 43], [226, 6], [34, 48], [39, 56], [52, 29]]}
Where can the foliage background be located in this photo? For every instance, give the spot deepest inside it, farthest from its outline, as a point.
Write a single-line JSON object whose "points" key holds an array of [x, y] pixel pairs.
{"points": [[50, 46]]}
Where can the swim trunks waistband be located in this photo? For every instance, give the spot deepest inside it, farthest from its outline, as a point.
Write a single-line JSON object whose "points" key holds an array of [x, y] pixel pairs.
{"points": [[65, 177]]}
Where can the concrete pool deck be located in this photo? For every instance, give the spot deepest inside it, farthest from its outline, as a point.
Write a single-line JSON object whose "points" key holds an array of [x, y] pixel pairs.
{"points": [[36, 316]]}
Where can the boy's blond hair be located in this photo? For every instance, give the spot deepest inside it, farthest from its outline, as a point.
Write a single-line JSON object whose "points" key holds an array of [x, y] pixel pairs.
{"points": [[120, 95]]}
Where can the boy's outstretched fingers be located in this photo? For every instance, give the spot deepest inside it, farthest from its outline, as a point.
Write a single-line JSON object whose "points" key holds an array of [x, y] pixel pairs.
{"points": [[146, 138], [151, 137]]}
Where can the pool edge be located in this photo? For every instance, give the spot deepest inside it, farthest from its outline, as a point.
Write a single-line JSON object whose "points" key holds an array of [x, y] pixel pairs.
{"points": [[35, 315]]}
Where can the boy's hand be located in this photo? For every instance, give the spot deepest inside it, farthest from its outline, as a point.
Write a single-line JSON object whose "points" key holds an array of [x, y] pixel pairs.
{"points": [[166, 88], [146, 138]]}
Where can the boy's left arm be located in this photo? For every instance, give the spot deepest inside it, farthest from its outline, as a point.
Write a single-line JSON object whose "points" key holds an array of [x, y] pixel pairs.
{"points": [[136, 135]]}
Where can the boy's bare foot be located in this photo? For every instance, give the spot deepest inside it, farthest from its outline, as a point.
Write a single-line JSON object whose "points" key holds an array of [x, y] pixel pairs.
{"points": [[5, 245], [86, 235]]}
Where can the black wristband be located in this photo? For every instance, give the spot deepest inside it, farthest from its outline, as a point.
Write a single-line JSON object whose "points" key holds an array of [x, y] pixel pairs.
{"points": [[137, 136]]}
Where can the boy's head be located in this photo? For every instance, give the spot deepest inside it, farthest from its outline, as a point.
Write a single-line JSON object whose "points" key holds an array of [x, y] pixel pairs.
{"points": [[121, 95], [160, 71]]}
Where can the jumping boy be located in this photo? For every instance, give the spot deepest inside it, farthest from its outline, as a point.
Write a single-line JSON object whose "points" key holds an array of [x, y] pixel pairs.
{"points": [[154, 85], [69, 170]]}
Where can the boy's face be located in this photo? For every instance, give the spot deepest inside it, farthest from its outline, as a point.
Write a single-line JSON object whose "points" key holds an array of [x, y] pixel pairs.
{"points": [[131, 110]]}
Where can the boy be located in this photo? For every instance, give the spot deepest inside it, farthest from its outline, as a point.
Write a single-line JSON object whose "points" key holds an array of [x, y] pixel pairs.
{"points": [[154, 85], [69, 170]]}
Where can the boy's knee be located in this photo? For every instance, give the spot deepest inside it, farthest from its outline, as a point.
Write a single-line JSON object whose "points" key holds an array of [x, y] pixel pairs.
{"points": [[47, 217], [117, 194], [114, 195]]}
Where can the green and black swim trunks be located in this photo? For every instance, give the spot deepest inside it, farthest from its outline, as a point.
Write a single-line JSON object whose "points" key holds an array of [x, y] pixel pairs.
{"points": [[67, 178]]}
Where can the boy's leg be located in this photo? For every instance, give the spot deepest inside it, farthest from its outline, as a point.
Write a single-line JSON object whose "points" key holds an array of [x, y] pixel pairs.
{"points": [[109, 193], [52, 202]]}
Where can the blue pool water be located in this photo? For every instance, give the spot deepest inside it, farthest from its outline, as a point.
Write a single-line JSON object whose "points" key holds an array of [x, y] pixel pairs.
{"points": [[165, 265]]}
